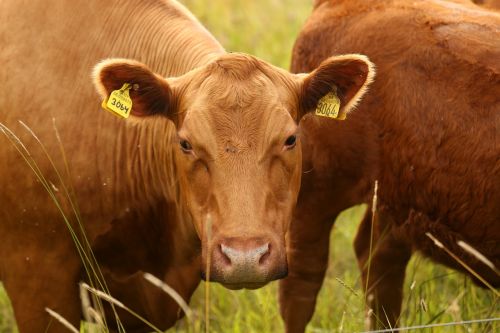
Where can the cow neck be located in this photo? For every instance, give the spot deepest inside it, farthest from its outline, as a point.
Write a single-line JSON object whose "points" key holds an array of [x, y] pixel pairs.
{"points": [[149, 177], [165, 36], [169, 40]]}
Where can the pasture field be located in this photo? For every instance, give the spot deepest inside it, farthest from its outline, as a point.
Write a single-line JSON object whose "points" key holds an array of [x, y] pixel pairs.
{"points": [[433, 294]]}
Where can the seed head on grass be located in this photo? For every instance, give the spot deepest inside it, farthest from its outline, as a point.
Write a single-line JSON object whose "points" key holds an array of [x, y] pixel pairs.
{"points": [[62, 320], [347, 287], [104, 296], [115, 302], [461, 262], [341, 326], [413, 285], [85, 300], [171, 292], [95, 317], [478, 255], [423, 305]]}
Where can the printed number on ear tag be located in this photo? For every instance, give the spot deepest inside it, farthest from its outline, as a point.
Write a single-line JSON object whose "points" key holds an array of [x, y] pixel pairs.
{"points": [[119, 101], [329, 106]]}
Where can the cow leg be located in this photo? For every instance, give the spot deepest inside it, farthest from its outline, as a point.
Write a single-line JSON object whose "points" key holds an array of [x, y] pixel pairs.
{"points": [[383, 277], [45, 280], [307, 264]]}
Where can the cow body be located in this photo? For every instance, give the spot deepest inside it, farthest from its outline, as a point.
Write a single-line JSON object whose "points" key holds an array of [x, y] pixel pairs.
{"points": [[492, 4], [428, 131], [47, 58], [208, 166]]}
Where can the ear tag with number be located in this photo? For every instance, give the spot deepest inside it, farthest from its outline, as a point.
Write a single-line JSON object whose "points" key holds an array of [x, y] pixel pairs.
{"points": [[119, 101], [329, 106]]}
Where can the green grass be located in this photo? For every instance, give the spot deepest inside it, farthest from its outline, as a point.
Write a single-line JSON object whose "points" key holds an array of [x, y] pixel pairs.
{"points": [[7, 322], [267, 29], [264, 28]]}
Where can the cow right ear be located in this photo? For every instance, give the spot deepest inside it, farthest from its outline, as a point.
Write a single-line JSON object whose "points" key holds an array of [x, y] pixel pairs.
{"points": [[337, 85], [150, 93]]}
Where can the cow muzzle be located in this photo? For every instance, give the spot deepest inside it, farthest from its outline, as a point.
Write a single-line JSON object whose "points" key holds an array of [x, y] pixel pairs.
{"points": [[245, 263]]}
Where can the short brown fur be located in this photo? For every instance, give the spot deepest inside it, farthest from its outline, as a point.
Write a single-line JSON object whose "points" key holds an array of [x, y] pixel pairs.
{"points": [[205, 148], [428, 131]]}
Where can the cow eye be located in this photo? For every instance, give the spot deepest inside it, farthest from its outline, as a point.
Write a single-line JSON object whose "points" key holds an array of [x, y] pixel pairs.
{"points": [[291, 141], [186, 146]]}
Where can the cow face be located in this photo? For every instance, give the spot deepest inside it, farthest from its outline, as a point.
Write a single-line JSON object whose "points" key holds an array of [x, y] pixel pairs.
{"points": [[238, 151]]}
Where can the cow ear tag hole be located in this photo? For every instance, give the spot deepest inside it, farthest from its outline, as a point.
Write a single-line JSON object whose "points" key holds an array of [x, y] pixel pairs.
{"points": [[329, 106], [119, 101]]}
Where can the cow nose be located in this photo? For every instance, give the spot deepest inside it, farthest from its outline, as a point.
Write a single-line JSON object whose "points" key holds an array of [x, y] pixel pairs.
{"points": [[246, 262], [250, 257]]}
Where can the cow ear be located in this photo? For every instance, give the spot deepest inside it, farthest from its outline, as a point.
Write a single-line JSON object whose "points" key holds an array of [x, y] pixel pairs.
{"points": [[347, 77], [149, 92]]}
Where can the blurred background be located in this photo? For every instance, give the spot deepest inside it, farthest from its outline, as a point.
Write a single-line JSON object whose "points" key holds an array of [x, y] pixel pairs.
{"points": [[433, 294]]}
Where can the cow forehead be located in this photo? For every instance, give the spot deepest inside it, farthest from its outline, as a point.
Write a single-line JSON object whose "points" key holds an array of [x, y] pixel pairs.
{"points": [[247, 123], [235, 81], [238, 102]]}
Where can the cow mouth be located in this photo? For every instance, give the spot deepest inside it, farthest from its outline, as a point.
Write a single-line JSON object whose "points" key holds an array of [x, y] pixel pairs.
{"points": [[244, 285], [237, 285]]}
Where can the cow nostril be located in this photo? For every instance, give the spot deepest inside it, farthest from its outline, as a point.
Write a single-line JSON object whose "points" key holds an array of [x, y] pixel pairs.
{"points": [[265, 254], [225, 254], [254, 256]]}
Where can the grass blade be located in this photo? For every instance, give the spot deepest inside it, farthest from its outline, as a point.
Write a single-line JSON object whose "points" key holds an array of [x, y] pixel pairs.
{"points": [[62, 320], [171, 292]]}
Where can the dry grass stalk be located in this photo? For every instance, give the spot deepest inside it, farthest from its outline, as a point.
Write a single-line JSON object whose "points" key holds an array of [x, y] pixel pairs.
{"points": [[375, 198], [428, 326], [62, 320], [104, 296], [374, 212], [368, 318], [341, 326], [460, 261], [423, 305], [115, 302], [347, 287], [95, 316], [207, 284], [478, 255], [413, 285], [171, 292], [85, 300]]}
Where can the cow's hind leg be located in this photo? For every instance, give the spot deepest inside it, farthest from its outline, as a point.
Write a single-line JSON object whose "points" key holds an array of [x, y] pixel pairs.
{"points": [[383, 267], [38, 280]]}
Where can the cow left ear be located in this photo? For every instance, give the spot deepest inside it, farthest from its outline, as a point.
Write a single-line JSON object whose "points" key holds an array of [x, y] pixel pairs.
{"points": [[336, 86], [150, 93]]}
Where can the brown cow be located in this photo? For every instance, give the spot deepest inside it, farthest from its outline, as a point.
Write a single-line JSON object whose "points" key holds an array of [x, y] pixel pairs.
{"points": [[428, 131], [210, 166], [491, 4]]}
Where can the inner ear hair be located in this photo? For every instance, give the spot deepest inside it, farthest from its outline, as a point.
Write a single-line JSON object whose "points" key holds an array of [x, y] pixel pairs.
{"points": [[150, 93], [111, 74], [348, 75]]}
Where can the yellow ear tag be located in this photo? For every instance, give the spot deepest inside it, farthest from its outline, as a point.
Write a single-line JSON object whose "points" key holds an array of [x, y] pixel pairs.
{"points": [[119, 101], [329, 106]]}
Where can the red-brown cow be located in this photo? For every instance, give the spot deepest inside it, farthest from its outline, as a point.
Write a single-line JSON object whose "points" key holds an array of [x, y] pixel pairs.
{"points": [[491, 4], [209, 167], [428, 131]]}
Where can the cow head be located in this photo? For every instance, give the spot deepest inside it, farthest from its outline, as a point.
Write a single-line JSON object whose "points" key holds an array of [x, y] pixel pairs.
{"points": [[238, 150]]}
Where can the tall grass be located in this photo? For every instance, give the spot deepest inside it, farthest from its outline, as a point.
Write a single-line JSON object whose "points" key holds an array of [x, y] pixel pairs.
{"points": [[433, 294]]}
